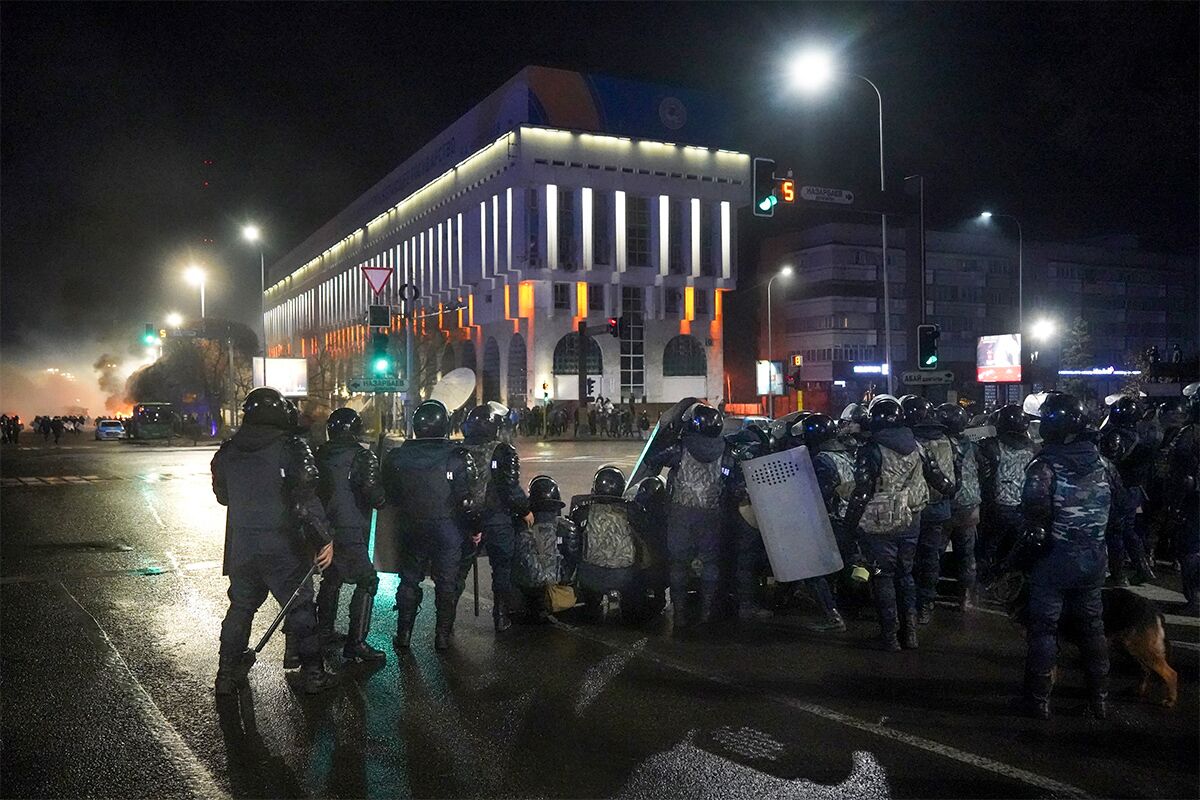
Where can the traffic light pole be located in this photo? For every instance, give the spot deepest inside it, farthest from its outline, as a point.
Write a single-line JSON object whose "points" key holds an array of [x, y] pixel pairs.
{"points": [[583, 349]]}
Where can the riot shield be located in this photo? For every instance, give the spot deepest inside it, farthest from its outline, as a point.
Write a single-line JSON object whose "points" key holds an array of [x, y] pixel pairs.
{"points": [[387, 539], [791, 515], [980, 432], [664, 434]]}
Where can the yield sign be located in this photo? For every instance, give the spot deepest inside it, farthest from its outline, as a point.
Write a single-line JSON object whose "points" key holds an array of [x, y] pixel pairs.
{"points": [[377, 277]]}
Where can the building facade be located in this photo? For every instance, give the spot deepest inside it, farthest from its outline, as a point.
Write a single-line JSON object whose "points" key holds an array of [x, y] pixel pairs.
{"points": [[560, 198], [831, 313]]}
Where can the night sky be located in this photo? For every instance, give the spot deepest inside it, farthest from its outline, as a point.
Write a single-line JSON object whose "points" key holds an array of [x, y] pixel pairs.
{"points": [[1079, 118]]}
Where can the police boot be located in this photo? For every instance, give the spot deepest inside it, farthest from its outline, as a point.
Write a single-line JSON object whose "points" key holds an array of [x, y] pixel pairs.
{"points": [[327, 606], [708, 602], [1142, 572], [291, 652], [968, 599], [445, 605], [679, 615], [1116, 573], [908, 630], [500, 618], [406, 617], [833, 623], [925, 614], [229, 672], [314, 676], [356, 648], [1035, 700]]}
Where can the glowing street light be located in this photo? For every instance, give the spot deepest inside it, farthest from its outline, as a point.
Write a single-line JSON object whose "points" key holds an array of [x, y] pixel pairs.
{"points": [[251, 233], [1043, 330], [811, 70], [174, 319], [196, 277]]}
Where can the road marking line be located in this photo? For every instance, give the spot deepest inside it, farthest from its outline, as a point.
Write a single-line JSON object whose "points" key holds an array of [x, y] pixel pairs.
{"points": [[919, 742], [149, 505], [1186, 645], [1179, 619], [190, 767]]}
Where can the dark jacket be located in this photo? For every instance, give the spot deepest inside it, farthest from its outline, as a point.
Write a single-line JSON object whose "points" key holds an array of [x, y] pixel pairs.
{"points": [[498, 464], [267, 478], [351, 483], [428, 479]]}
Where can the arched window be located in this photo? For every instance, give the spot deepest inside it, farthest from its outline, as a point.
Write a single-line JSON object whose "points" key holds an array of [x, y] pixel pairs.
{"points": [[566, 356], [684, 356], [518, 380], [491, 371]]}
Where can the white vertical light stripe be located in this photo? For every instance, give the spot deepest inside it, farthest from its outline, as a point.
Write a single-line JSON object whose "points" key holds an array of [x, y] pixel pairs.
{"points": [[496, 233], [508, 226], [695, 270], [725, 239], [552, 226], [460, 249], [483, 270], [440, 259], [585, 211], [664, 233], [619, 207]]}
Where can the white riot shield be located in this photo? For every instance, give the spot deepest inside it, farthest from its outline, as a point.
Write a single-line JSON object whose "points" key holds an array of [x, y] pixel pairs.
{"points": [[791, 515]]}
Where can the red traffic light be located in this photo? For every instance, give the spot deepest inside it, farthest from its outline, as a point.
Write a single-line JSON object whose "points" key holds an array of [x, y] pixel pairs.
{"points": [[614, 327]]}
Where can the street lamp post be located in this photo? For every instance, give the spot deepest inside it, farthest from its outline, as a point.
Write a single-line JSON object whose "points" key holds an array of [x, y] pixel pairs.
{"points": [[196, 277], [252, 234], [811, 71], [987, 216], [786, 272]]}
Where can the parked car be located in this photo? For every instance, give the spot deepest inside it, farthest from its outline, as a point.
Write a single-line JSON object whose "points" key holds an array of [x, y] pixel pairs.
{"points": [[109, 429]]}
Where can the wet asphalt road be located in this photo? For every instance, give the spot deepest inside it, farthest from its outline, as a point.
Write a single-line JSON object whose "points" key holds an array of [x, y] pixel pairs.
{"points": [[112, 598]]}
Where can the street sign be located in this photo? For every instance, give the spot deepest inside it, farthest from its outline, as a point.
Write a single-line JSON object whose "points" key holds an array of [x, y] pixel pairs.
{"points": [[386, 384], [377, 277], [821, 194], [914, 377]]}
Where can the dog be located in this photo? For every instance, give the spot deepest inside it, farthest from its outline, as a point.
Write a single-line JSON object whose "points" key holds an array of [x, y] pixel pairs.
{"points": [[1132, 623]]}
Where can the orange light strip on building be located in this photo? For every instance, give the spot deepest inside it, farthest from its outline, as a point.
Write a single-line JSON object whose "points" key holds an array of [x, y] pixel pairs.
{"points": [[714, 327], [581, 302], [689, 310]]}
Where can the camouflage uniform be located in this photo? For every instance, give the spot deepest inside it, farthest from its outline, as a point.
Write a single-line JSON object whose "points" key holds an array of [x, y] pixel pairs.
{"points": [[1002, 463], [1068, 493], [964, 512], [934, 519], [834, 467]]}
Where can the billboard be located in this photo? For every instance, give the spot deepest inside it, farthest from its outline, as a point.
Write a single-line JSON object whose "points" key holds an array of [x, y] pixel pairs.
{"points": [[998, 359], [288, 375], [769, 377]]}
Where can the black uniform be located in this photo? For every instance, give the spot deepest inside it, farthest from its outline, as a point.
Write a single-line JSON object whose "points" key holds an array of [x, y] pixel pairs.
{"points": [[351, 486], [1133, 455], [750, 555], [892, 479], [267, 478], [429, 480]]}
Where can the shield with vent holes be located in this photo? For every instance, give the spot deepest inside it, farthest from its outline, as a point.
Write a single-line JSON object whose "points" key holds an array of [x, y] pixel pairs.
{"points": [[791, 515]]}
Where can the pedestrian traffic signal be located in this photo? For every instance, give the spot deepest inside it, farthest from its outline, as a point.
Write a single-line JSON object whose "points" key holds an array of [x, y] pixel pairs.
{"points": [[927, 346], [614, 327], [379, 359], [763, 188], [591, 390]]}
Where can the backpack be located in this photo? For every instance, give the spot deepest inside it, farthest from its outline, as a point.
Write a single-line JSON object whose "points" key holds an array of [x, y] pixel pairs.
{"points": [[537, 561], [481, 454], [844, 465], [1010, 474], [696, 484], [608, 540], [943, 453], [900, 493], [968, 488]]}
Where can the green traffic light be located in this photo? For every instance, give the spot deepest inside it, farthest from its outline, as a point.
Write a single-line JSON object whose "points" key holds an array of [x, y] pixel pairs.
{"points": [[381, 366], [931, 361], [768, 202]]}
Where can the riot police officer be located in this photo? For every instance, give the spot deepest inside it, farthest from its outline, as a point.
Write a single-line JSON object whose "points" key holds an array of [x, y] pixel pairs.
{"points": [[931, 436], [1183, 502], [750, 555], [497, 497], [1134, 458], [428, 478], [1171, 418], [834, 466], [892, 479], [1066, 500], [267, 478], [1002, 462], [350, 487], [608, 573], [545, 552], [696, 491], [964, 506]]}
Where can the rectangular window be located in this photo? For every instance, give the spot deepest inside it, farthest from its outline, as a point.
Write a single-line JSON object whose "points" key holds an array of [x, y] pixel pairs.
{"points": [[673, 299], [701, 300], [562, 296], [633, 359], [601, 228], [637, 231], [595, 295], [533, 220], [708, 245], [675, 238], [566, 230]]}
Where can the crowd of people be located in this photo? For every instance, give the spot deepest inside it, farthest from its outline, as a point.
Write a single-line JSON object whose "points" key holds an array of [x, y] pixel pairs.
{"points": [[1057, 501], [601, 419], [44, 425]]}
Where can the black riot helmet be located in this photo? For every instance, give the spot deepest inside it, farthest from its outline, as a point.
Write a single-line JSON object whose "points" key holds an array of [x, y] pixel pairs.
{"points": [[1125, 413], [1011, 419], [816, 430], [266, 406], [953, 418], [1173, 413], [1116, 443], [293, 413], [917, 410], [650, 492], [703, 419], [345, 423], [1062, 417], [430, 420], [885, 413], [544, 494], [483, 423], [608, 482]]}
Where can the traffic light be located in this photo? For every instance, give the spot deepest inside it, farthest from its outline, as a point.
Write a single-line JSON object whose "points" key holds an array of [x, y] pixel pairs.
{"points": [[149, 336], [927, 346], [793, 381], [763, 183], [591, 390], [379, 360]]}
